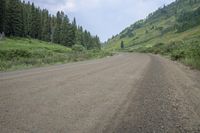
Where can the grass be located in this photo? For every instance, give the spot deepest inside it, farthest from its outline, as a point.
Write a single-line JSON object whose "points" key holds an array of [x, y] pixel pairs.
{"points": [[158, 35], [187, 52], [21, 53], [183, 46]]}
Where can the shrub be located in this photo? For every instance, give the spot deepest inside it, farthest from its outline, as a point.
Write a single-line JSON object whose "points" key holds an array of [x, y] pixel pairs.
{"points": [[14, 53], [178, 55], [78, 48]]}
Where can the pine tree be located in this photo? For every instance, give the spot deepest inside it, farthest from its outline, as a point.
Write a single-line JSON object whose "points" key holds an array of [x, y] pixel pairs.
{"points": [[122, 44], [65, 31], [14, 25], [46, 26], [29, 19], [33, 32], [79, 33], [57, 30], [86, 39], [39, 23], [53, 26], [35, 24], [97, 42], [25, 20], [72, 33], [2, 15]]}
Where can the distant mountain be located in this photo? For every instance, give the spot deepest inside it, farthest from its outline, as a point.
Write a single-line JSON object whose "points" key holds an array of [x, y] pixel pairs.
{"points": [[178, 22]]}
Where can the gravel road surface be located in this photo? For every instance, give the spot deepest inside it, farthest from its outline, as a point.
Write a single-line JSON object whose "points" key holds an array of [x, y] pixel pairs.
{"points": [[126, 93]]}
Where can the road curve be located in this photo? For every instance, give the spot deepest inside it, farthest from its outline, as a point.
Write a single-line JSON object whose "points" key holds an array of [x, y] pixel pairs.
{"points": [[126, 93]]}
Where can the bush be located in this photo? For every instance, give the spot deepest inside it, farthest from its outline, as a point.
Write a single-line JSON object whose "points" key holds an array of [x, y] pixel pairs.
{"points": [[14, 53], [188, 53], [78, 48], [178, 55], [18, 53]]}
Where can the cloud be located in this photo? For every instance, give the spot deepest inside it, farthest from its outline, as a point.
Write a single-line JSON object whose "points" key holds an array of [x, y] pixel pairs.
{"points": [[70, 5], [80, 5]]}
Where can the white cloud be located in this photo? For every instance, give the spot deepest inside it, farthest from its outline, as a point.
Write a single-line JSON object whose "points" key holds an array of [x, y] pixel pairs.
{"points": [[81, 5], [70, 5]]}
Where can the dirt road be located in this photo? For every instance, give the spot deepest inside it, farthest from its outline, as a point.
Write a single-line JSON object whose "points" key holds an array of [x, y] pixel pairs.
{"points": [[126, 93]]}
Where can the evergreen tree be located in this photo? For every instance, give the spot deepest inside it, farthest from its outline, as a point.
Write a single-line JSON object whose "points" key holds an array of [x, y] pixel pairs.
{"points": [[29, 19], [97, 42], [86, 39], [72, 33], [14, 25], [57, 30], [33, 28], [122, 44], [23, 19], [2, 15], [46, 26], [65, 31], [79, 37], [53, 26], [35, 23]]}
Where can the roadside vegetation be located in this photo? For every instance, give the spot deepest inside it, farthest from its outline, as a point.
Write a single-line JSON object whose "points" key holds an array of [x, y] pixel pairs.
{"points": [[20, 53], [173, 30], [32, 37], [188, 54]]}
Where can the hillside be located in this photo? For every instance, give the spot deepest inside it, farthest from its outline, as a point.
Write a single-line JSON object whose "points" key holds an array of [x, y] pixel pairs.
{"points": [[31, 36], [172, 30], [27, 20], [19, 53]]}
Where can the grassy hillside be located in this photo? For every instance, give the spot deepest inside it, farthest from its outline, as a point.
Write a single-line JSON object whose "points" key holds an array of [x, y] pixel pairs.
{"points": [[18, 53], [173, 30]]}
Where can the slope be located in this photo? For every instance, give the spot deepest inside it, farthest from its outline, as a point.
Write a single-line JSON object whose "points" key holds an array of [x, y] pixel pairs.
{"points": [[19, 53], [172, 30]]}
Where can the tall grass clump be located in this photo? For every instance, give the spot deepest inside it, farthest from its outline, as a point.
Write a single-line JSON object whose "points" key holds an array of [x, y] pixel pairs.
{"points": [[186, 52]]}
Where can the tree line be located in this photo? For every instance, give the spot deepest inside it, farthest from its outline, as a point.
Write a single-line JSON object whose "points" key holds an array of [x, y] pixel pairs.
{"points": [[188, 20], [24, 19]]}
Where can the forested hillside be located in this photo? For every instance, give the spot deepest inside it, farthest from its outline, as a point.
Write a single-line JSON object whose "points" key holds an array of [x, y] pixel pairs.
{"points": [[21, 19], [32, 37], [173, 30]]}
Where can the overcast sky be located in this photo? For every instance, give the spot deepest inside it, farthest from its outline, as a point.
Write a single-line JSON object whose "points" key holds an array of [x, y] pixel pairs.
{"points": [[103, 17]]}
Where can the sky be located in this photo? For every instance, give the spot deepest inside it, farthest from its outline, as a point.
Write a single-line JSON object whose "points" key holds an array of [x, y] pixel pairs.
{"points": [[104, 18]]}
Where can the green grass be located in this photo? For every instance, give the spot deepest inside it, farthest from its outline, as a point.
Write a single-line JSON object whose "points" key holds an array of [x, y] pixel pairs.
{"points": [[185, 52], [159, 35], [21, 53]]}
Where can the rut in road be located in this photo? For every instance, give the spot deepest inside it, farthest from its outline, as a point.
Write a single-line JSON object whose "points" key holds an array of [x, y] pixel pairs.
{"points": [[121, 94]]}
